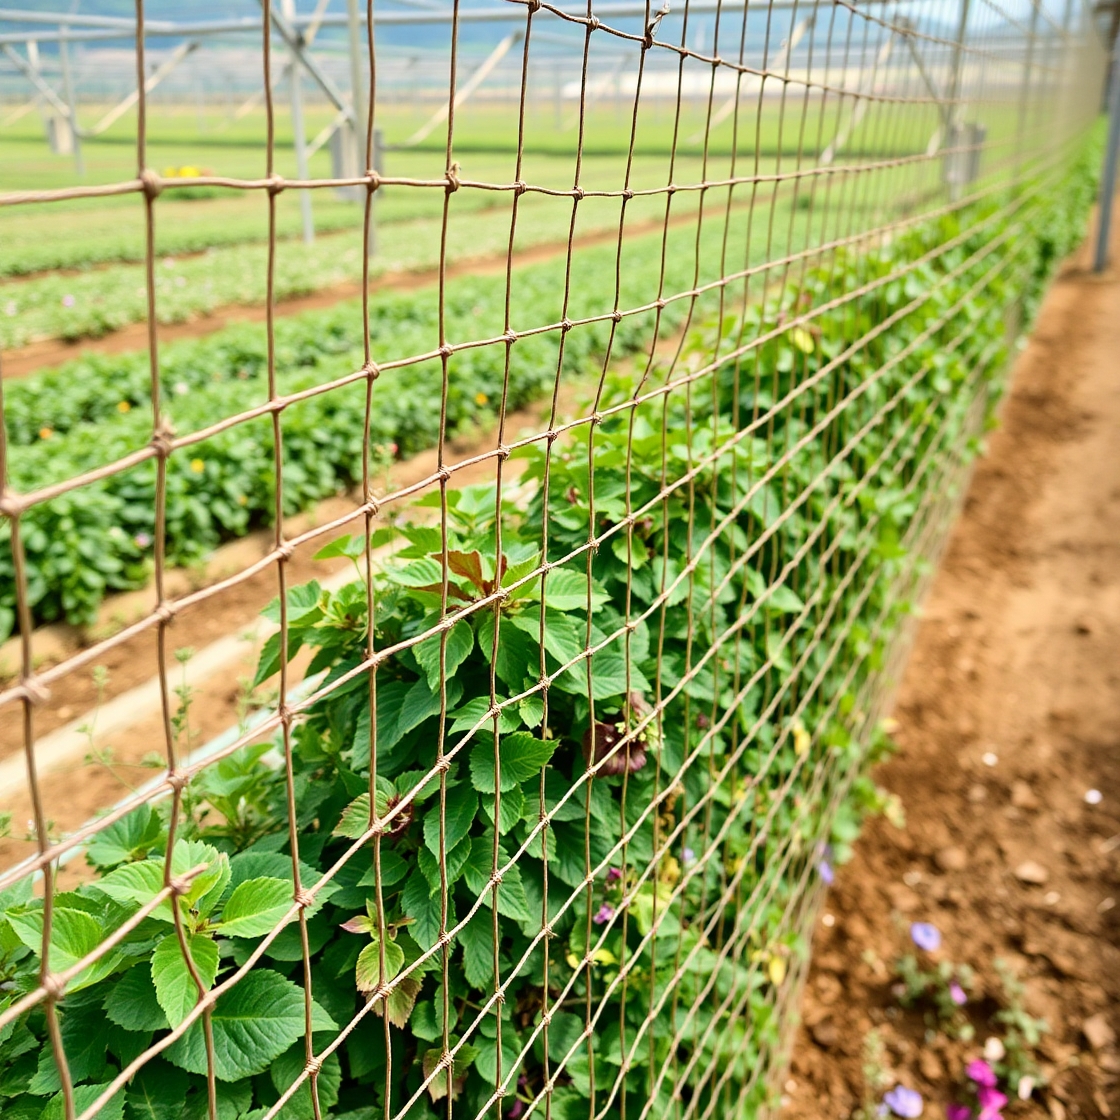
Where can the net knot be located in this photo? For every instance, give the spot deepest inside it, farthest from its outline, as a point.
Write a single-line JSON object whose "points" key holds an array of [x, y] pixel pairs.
{"points": [[616, 315], [627, 194], [372, 370], [303, 898], [593, 23], [36, 692], [177, 781], [566, 324], [445, 350], [161, 437], [452, 176], [285, 550], [275, 184], [314, 1065], [520, 187], [373, 181], [578, 193], [510, 335], [534, 6], [150, 183], [53, 986], [164, 612], [503, 452], [10, 505]]}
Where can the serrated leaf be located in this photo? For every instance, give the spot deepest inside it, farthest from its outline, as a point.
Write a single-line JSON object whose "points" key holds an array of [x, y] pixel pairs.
{"points": [[459, 812], [460, 642], [254, 1022], [532, 710], [477, 939], [473, 712], [420, 905], [367, 972], [522, 756], [84, 1096], [256, 907], [511, 808], [455, 861], [74, 934], [132, 1003], [401, 1001], [156, 1092], [176, 990], [130, 838], [288, 1067]]}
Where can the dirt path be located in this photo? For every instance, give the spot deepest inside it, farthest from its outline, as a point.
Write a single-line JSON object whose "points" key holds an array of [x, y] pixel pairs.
{"points": [[1009, 716]]}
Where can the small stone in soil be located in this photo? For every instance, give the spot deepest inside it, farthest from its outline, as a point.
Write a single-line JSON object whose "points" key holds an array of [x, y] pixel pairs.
{"points": [[1098, 1031], [1030, 872], [1022, 796], [825, 1034], [1052, 898], [1093, 797], [1105, 905], [951, 859], [977, 793]]}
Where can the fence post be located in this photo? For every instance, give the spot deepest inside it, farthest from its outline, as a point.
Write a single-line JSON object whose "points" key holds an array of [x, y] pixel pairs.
{"points": [[299, 135], [1108, 175]]}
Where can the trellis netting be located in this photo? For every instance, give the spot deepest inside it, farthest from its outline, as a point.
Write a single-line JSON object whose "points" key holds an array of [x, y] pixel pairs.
{"points": [[540, 811]]}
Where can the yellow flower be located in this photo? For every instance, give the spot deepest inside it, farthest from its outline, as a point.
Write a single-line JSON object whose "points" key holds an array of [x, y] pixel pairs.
{"points": [[46, 433], [124, 406], [801, 738], [243, 500], [481, 399], [198, 466]]}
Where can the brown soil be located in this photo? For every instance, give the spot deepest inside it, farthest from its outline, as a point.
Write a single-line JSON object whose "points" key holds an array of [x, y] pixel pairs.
{"points": [[1008, 714]]}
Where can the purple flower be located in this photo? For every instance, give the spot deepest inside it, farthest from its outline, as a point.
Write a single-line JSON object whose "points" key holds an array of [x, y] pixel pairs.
{"points": [[991, 1101], [956, 1111], [614, 874], [926, 936], [979, 1071], [67, 301], [688, 856], [603, 915], [516, 1109], [957, 995], [827, 874], [142, 540], [904, 1102]]}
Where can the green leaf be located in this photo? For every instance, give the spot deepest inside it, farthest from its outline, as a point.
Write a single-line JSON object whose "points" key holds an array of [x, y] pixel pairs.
{"points": [[288, 1067], [455, 862], [424, 908], [786, 600], [74, 934], [473, 711], [460, 808], [566, 590], [532, 710], [84, 1096], [460, 642], [132, 1002], [254, 1022], [522, 756], [256, 907], [175, 987], [367, 973], [130, 838], [156, 1092], [477, 939], [510, 809]]}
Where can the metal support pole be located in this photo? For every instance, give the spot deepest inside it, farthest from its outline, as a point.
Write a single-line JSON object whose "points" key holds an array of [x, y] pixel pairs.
{"points": [[1025, 89], [299, 135], [359, 95], [1108, 175], [954, 132], [68, 93]]}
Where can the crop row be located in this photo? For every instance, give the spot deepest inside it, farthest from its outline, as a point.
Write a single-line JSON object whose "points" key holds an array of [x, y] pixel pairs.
{"points": [[84, 544]]}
